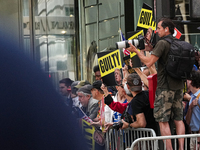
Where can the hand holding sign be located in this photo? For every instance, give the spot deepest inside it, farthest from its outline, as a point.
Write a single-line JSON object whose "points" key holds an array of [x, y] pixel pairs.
{"points": [[147, 24], [105, 89]]}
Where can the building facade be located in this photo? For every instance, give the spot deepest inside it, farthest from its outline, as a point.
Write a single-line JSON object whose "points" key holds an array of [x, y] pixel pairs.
{"points": [[63, 36]]}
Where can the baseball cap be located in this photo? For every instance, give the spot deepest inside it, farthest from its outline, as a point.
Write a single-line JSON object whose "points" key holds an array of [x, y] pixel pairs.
{"points": [[73, 88], [85, 89], [82, 83], [134, 81], [96, 84]]}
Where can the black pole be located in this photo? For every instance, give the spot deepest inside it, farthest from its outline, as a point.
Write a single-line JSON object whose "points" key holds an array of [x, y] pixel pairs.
{"points": [[129, 16]]}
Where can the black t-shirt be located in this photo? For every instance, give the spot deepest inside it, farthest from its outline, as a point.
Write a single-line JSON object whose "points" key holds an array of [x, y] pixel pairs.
{"points": [[140, 104]]}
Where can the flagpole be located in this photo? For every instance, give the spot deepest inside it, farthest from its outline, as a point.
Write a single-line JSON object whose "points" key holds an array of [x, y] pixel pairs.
{"points": [[119, 17]]}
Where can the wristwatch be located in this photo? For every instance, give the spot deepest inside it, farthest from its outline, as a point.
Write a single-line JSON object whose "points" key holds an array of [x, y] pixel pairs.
{"points": [[129, 125]]}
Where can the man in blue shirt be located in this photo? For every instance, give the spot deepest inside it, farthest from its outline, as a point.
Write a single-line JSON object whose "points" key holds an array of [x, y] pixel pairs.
{"points": [[193, 114]]}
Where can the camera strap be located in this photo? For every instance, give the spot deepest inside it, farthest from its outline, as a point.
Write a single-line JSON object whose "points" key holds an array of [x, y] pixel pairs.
{"points": [[126, 110]]}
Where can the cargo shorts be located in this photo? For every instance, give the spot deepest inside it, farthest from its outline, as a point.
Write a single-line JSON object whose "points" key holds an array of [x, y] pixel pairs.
{"points": [[168, 103]]}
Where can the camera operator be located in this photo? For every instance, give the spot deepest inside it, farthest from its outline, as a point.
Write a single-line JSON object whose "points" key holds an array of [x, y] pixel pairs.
{"points": [[169, 92], [138, 107]]}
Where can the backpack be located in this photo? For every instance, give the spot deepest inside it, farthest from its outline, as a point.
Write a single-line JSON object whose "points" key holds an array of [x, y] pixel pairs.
{"points": [[181, 58]]}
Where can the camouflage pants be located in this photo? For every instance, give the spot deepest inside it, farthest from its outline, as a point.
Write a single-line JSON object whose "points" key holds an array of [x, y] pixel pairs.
{"points": [[168, 104]]}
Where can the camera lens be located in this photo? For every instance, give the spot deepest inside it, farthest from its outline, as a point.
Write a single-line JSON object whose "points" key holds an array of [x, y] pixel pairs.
{"points": [[139, 43]]}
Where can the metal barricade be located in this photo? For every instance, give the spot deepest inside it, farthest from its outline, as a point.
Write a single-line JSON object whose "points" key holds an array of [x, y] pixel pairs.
{"points": [[141, 142], [122, 139]]}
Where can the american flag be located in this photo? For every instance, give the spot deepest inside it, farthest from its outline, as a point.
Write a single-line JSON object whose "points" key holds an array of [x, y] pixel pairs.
{"points": [[126, 52], [84, 116]]}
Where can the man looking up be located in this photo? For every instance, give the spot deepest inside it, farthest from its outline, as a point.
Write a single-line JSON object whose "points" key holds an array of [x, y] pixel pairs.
{"points": [[169, 90], [65, 90]]}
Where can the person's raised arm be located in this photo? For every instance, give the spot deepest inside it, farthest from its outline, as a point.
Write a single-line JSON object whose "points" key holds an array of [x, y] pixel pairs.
{"points": [[148, 61], [108, 100], [104, 89], [152, 69], [116, 106], [142, 76]]}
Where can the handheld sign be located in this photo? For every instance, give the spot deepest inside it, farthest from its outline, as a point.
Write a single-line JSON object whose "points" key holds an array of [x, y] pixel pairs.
{"points": [[127, 62], [146, 18], [88, 132], [110, 67], [93, 137], [147, 24], [133, 62]]}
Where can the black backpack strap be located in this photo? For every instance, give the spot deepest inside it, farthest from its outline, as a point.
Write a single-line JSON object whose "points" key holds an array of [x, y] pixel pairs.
{"points": [[169, 40]]}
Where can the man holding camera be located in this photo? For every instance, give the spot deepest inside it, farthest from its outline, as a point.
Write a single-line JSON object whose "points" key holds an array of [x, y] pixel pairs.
{"points": [[169, 90], [139, 106], [137, 113]]}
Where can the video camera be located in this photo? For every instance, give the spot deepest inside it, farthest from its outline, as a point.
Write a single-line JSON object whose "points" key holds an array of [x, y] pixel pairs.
{"points": [[139, 43], [126, 117]]}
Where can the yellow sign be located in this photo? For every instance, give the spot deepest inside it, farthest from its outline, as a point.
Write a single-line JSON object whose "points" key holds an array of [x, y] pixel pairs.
{"points": [[88, 132], [134, 37], [146, 19], [109, 62]]}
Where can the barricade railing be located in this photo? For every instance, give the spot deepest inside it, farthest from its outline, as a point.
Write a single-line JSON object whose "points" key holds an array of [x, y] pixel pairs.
{"points": [[122, 139], [140, 143]]}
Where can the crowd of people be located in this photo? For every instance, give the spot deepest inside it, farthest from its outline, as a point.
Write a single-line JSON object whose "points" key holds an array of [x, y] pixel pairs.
{"points": [[127, 103]]}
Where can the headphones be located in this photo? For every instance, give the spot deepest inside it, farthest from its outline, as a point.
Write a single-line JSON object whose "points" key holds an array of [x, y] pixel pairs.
{"points": [[165, 30]]}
